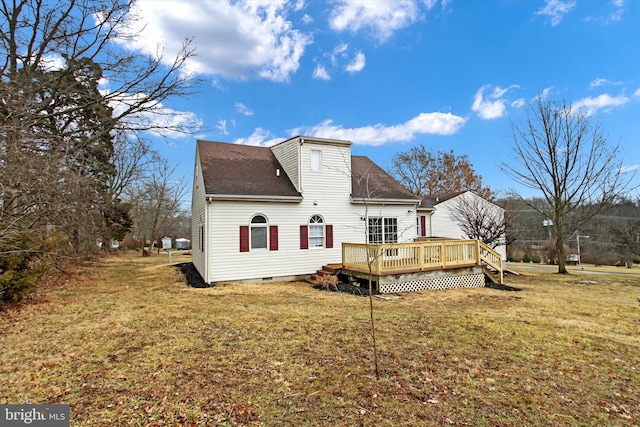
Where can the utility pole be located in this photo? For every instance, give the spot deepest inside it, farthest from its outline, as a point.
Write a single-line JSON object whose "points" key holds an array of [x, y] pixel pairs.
{"points": [[578, 240]]}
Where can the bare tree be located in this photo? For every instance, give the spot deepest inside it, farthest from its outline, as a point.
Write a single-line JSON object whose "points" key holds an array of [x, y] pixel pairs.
{"points": [[563, 153], [628, 233], [156, 200], [482, 220], [68, 88]]}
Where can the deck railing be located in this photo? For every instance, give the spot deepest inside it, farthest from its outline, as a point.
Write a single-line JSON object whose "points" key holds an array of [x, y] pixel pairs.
{"points": [[418, 256]]}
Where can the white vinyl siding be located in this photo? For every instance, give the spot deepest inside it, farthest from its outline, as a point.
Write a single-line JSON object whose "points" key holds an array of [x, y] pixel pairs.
{"points": [[288, 154], [443, 223], [198, 215], [326, 193]]}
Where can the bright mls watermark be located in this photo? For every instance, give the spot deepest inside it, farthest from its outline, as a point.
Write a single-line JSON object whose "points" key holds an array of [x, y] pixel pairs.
{"points": [[34, 415]]}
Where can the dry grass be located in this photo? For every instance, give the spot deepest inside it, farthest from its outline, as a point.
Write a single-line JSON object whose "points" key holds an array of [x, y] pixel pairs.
{"points": [[125, 342]]}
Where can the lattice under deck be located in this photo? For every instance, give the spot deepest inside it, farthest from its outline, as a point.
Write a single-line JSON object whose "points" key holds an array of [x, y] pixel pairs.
{"points": [[446, 282]]}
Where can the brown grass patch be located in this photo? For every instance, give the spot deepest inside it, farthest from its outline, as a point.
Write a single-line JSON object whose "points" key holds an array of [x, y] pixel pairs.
{"points": [[128, 343]]}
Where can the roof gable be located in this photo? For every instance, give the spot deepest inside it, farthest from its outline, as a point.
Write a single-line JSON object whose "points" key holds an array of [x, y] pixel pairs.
{"points": [[429, 202], [370, 181], [242, 170]]}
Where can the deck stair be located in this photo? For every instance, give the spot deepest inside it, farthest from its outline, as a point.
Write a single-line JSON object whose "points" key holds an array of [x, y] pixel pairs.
{"points": [[326, 270]]}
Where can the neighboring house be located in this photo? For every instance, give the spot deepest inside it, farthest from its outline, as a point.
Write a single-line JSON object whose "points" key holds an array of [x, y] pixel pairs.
{"points": [[439, 216], [282, 212]]}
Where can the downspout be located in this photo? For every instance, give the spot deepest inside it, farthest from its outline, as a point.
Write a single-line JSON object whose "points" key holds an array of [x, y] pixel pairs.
{"points": [[430, 224], [205, 237]]}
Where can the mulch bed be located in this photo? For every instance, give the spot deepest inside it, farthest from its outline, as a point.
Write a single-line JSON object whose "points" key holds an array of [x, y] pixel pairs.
{"points": [[500, 287], [194, 279], [346, 288]]}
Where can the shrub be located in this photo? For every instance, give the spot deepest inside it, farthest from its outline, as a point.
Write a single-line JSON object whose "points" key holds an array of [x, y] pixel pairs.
{"points": [[327, 280], [23, 263], [129, 243]]}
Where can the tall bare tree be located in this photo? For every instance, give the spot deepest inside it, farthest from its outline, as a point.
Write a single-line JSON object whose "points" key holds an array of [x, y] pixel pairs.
{"points": [[156, 200], [68, 85], [482, 220], [425, 173], [628, 233], [563, 153]]}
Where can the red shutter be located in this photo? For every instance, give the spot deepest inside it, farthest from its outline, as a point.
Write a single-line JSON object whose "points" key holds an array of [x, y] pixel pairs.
{"points": [[329, 231], [304, 237], [423, 225], [244, 238], [273, 237]]}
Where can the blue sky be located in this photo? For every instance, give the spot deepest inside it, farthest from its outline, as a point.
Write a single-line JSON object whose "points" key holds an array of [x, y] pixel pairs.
{"points": [[392, 74]]}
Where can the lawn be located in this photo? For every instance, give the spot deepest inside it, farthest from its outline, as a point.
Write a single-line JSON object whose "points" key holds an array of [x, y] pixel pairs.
{"points": [[126, 342]]}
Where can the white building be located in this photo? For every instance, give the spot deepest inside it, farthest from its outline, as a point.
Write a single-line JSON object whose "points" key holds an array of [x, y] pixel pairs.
{"points": [[279, 213], [441, 215]]}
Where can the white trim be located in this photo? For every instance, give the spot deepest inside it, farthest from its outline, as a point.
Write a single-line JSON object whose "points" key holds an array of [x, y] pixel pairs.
{"points": [[287, 199]]}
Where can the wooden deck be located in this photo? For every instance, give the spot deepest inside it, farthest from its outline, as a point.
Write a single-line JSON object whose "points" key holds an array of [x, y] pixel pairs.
{"points": [[420, 256]]}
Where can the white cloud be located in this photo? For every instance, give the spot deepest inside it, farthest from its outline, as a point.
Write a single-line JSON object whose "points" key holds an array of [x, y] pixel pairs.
{"points": [[601, 82], [545, 94], [591, 105], [241, 39], [597, 82], [222, 127], [518, 103], [380, 18], [341, 57], [357, 64], [306, 19], [298, 5], [260, 137], [637, 92], [156, 119], [615, 15], [556, 9], [338, 52], [321, 73], [243, 109], [53, 62], [495, 106], [379, 134]]}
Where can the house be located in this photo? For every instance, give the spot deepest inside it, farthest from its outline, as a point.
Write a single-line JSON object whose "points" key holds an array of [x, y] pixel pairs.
{"points": [[282, 212], [441, 215]]}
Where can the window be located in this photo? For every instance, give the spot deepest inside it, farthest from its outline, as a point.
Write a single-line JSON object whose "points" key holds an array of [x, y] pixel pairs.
{"points": [[316, 232], [201, 238], [258, 237], [316, 160], [383, 230]]}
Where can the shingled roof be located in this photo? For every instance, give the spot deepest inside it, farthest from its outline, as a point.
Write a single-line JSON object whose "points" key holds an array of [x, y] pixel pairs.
{"points": [[429, 202], [370, 181], [243, 170], [248, 171]]}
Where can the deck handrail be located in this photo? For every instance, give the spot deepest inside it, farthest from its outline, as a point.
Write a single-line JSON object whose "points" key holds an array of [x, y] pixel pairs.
{"points": [[422, 255]]}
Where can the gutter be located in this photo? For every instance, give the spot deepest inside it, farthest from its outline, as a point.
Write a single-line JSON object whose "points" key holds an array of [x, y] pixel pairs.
{"points": [[380, 201], [253, 198]]}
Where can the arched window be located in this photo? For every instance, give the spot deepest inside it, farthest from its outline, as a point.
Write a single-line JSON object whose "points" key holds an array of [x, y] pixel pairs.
{"points": [[316, 232], [259, 228]]}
